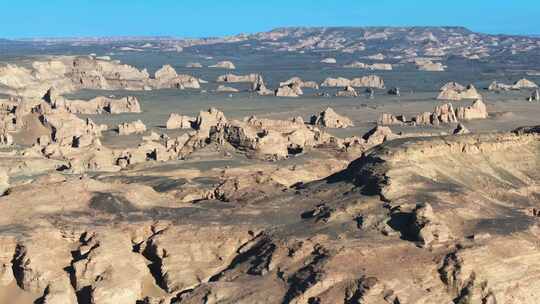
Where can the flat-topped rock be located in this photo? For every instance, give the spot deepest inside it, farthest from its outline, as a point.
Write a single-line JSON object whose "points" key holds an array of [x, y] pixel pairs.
{"points": [[224, 65]]}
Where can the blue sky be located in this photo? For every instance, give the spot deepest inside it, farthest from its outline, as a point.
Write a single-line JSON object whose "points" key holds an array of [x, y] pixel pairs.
{"points": [[203, 18]]}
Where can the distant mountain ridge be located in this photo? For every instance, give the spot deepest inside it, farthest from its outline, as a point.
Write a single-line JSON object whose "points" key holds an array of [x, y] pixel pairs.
{"points": [[382, 43], [455, 29]]}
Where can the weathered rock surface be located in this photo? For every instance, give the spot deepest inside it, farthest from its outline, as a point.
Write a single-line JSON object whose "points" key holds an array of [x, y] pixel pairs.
{"points": [[208, 119], [297, 81], [477, 110], [518, 85], [291, 90], [167, 78], [386, 119], [371, 81], [260, 88], [224, 65], [430, 66], [232, 78], [178, 121], [458, 212], [454, 91], [330, 119], [226, 89], [329, 60], [461, 129], [347, 92], [134, 127]]}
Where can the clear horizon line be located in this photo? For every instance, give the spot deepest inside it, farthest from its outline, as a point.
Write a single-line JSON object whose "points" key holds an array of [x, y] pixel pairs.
{"points": [[178, 37]]}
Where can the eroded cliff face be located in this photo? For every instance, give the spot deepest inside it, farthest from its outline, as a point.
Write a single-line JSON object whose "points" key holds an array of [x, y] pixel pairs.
{"points": [[448, 219]]}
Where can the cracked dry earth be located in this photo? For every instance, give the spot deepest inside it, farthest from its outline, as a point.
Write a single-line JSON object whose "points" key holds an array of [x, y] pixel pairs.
{"points": [[450, 219]]}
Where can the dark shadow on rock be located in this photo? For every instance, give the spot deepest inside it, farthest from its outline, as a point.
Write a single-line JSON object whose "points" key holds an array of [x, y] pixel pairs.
{"points": [[404, 224]]}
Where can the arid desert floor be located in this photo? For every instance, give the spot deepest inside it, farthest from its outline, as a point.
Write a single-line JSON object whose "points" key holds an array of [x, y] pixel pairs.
{"points": [[283, 167]]}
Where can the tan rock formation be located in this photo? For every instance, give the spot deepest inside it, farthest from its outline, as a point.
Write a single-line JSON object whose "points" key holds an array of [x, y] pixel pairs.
{"points": [[226, 89], [445, 113], [329, 60], [347, 92], [194, 65], [178, 121], [330, 119], [454, 91], [378, 135], [336, 82], [379, 67], [224, 65], [166, 77], [99, 105], [524, 84], [431, 66], [232, 78], [470, 93], [291, 90], [208, 119], [370, 81], [461, 129], [134, 127], [453, 86], [297, 81], [4, 186], [449, 94], [386, 119], [477, 110], [355, 65]]}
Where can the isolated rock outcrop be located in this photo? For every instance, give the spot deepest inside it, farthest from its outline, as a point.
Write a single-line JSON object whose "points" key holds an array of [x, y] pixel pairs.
{"points": [[167, 78], [524, 83], [477, 110], [378, 135], [336, 82], [260, 88], [134, 127], [347, 92], [329, 60], [232, 78], [291, 90], [355, 65], [370, 81], [386, 119], [297, 81], [430, 66], [226, 89], [208, 119], [330, 119], [178, 121], [454, 91], [224, 65]]}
